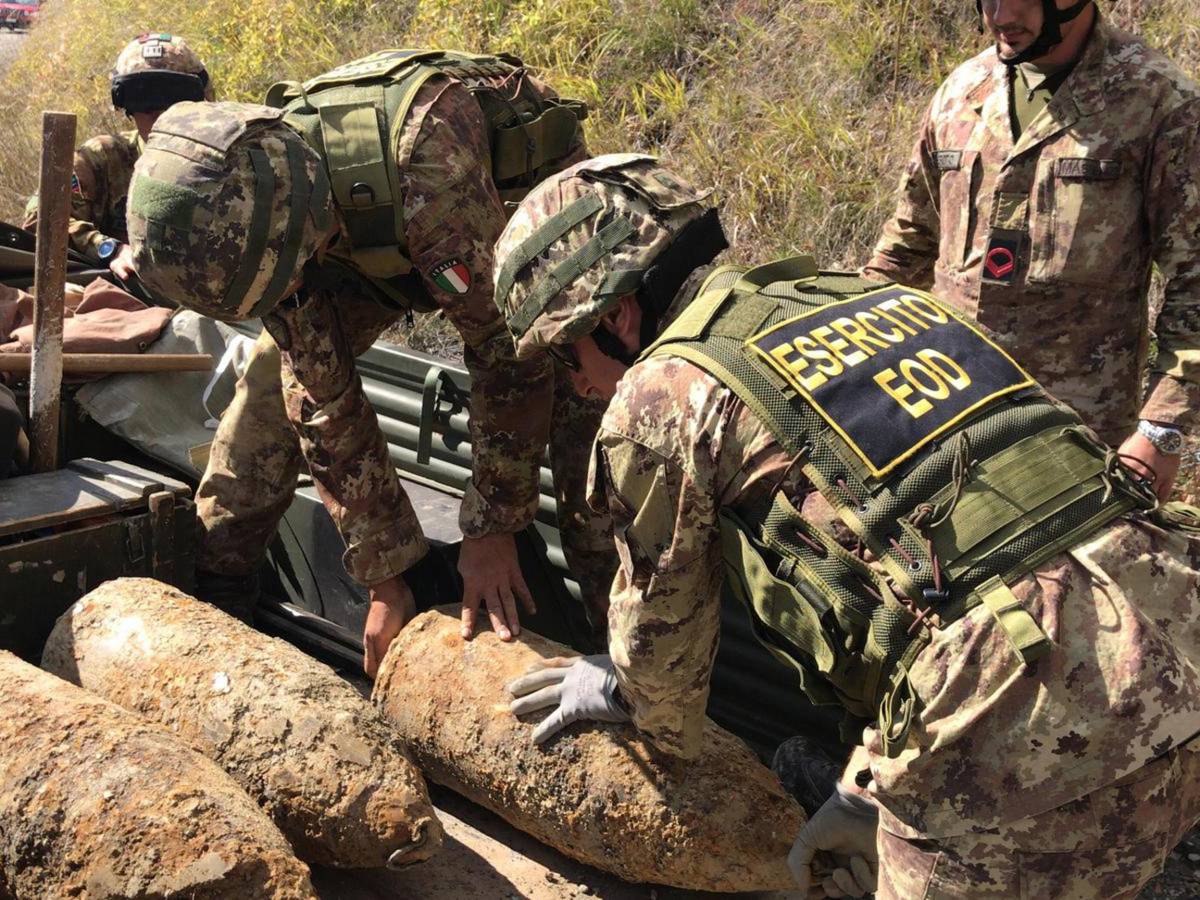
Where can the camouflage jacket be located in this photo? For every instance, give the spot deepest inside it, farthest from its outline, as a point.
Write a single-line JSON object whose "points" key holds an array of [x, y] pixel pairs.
{"points": [[1049, 242], [99, 187], [452, 216], [995, 740]]}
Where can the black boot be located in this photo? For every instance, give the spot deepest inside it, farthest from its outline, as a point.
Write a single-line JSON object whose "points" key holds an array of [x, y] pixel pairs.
{"points": [[806, 771], [236, 595]]}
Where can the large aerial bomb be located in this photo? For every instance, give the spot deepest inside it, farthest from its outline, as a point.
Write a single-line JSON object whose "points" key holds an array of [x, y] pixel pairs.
{"points": [[96, 802], [598, 793], [301, 741]]}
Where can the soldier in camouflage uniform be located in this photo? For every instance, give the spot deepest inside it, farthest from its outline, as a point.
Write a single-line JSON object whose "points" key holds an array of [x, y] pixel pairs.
{"points": [[449, 214], [1050, 173], [1031, 718], [152, 72]]}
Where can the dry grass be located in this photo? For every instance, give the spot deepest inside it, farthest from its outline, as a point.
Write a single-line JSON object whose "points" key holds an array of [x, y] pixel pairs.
{"points": [[800, 112]]}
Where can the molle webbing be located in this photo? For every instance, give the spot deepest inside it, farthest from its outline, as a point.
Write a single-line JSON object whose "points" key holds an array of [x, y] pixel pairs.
{"points": [[353, 115], [547, 234], [1016, 482]]}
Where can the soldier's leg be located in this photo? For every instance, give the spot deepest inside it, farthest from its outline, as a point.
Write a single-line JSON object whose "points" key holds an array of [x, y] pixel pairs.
{"points": [[1103, 846], [587, 537], [247, 486]]}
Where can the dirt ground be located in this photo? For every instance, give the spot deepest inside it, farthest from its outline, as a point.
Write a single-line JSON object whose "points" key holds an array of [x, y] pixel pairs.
{"points": [[484, 857]]}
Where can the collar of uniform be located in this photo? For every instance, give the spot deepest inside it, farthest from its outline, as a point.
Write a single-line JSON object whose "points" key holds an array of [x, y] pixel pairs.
{"points": [[1084, 86], [1087, 84], [685, 295]]}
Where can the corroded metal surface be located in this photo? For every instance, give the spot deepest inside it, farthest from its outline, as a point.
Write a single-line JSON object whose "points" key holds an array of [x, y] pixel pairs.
{"points": [[598, 793], [94, 802], [304, 743]]}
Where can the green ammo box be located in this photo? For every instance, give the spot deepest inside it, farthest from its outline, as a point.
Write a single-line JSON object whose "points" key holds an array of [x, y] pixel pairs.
{"points": [[63, 533]]}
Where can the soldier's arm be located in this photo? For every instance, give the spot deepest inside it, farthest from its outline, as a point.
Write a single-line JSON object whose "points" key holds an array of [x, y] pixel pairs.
{"points": [[664, 604], [89, 192], [339, 433], [454, 216], [1173, 213], [908, 246], [668, 453]]}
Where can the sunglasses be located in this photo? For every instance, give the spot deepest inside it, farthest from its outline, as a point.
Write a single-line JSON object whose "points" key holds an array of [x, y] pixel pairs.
{"points": [[564, 354]]}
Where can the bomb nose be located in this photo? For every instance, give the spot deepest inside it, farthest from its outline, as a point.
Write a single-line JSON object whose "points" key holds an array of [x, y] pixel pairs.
{"points": [[410, 854]]}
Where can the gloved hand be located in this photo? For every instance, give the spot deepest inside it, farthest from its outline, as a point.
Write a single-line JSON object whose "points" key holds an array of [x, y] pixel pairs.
{"points": [[581, 687], [844, 827]]}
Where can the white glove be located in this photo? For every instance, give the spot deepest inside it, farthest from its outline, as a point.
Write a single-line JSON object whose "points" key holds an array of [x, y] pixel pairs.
{"points": [[581, 687], [845, 826]]}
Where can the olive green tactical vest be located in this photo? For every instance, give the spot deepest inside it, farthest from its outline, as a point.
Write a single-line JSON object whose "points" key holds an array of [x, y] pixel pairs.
{"points": [[944, 458], [353, 114]]}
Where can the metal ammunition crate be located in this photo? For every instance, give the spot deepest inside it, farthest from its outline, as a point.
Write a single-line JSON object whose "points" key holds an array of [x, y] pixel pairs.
{"points": [[63, 533]]}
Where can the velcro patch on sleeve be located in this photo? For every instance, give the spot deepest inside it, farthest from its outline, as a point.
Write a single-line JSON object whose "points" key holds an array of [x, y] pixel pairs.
{"points": [[889, 370]]}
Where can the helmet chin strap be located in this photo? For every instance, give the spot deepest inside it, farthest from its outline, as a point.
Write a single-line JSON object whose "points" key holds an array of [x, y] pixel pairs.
{"points": [[1051, 34]]}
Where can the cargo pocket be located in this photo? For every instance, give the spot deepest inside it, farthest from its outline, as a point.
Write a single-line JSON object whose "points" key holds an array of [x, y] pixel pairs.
{"points": [[906, 868], [1116, 841], [1084, 206]]}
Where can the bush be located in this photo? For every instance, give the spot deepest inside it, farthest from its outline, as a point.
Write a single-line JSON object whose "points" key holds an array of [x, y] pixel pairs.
{"points": [[800, 112]]}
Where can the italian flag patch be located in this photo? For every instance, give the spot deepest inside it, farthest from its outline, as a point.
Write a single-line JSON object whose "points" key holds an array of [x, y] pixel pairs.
{"points": [[452, 276]]}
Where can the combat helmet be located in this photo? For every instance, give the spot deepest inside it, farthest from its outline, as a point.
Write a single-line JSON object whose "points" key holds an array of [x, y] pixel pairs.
{"points": [[156, 71], [1051, 34], [226, 206], [588, 236]]}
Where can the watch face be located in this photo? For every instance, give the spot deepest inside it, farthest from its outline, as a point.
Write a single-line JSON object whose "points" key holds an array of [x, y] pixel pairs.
{"points": [[1165, 439], [1170, 442], [106, 249]]}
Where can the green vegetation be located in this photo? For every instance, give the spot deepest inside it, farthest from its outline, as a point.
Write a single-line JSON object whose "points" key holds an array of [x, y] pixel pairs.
{"points": [[801, 112]]}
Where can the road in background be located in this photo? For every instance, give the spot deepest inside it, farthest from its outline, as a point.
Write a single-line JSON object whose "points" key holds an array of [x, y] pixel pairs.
{"points": [[10, 45]]}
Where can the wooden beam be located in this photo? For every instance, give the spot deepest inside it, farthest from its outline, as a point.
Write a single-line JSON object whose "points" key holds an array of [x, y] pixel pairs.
{"points": [[54, 212], [111, 363]]}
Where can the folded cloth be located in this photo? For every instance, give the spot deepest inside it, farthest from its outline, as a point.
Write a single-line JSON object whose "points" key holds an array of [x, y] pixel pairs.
{"points": [[103, 319]]}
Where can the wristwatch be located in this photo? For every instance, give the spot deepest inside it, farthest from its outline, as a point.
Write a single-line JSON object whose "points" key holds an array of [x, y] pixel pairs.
{"points": [[1166, 440], [107, 249]]}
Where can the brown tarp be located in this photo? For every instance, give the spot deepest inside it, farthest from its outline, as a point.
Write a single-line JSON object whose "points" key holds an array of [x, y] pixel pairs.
{"points": [[102, 319]]}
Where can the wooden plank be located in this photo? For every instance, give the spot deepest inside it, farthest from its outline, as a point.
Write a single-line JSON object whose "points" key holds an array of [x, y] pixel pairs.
{"points": [[54, 211], [112, 363]]}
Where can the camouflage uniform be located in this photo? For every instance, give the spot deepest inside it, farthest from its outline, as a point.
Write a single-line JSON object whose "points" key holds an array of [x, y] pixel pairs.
{"points": [[1049, 242], [997, 744], [99, 188], [104, 164], [451, 212]]}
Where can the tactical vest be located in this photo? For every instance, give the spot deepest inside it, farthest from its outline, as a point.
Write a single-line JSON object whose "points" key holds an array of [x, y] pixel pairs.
{"points": [[353, 115], [946, 460]]}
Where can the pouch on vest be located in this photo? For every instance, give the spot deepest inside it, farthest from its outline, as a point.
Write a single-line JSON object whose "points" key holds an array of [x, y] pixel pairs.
{"points": [[353, 115]]}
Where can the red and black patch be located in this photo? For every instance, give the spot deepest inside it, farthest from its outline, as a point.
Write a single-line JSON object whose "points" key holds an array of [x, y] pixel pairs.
{"points": [[75, 188], [1001, 259]]}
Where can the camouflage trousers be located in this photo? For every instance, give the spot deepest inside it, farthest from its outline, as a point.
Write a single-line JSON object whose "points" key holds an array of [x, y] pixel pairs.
{"points": [[1105, 845], [252, 469], [255, 460]]}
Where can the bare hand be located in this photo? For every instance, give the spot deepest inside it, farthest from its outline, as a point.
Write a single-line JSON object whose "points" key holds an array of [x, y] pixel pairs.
{"points": [[491, 573], [122, 263], [1157, 468], [392, 606]]}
